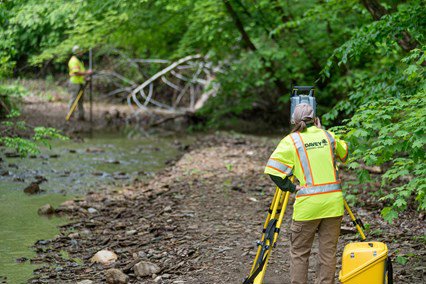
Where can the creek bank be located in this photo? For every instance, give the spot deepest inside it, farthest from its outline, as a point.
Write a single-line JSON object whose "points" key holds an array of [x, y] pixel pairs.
{"points": [[197, 221], [105, 116]]}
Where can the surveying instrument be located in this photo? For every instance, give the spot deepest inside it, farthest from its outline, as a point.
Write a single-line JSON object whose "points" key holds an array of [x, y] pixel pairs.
{"points": [[276, 212]]}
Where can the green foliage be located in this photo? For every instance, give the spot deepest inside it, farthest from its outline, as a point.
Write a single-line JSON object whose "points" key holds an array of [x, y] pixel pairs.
{"points": [[400, 259], [386, 129], [229, 167], [9, 97], [11, 138], [387, 105], [368, 85]]}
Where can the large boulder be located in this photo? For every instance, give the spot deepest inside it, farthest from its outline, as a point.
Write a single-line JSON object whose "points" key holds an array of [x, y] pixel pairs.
{"points": [[104, 257], [145, 268], [116, 276]]}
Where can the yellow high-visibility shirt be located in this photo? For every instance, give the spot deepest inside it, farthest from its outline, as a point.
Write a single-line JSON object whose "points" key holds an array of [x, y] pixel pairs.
{"points": [[75, 65], [310, 157]]}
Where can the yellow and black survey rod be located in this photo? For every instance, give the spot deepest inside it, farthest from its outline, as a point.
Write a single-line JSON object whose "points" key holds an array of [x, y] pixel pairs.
{"points": [[356, 221]]}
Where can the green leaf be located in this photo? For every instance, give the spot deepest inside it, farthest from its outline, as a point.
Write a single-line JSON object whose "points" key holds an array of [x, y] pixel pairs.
{"points": [[401, 260]]}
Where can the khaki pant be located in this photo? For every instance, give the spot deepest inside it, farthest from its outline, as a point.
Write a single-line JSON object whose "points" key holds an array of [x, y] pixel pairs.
{"points": [[302, 237], [74, 89]]}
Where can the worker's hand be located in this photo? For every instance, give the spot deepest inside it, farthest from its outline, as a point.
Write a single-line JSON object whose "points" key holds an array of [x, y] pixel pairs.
{"points": [[317, 122], [298, 187], [89, 72]]}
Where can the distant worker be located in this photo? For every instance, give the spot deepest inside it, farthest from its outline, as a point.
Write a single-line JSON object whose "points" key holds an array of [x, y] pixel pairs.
{"points": [[309, 153], [78, 77]]}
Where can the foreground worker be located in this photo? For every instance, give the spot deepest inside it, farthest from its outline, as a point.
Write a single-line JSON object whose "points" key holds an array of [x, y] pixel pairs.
{"points": [[78, 78], [309, 154]]}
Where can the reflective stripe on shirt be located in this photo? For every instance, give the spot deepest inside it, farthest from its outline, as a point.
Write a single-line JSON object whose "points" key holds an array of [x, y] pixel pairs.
{"points": [[319, 189], [303, 157], [276, 165], [333, 152]]}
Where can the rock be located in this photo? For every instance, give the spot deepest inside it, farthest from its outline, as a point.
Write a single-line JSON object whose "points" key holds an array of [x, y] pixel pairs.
{"points": [[21, 259], [40, 179], [12, 155], [85, 282], [131, 232], [145, 268], [95, 150], [157, 279], [73, 235], [104, 257], [120, 175], [33, 188], [167, 208], [92, 210], [46, 209], [116, 276], [68, 204]]}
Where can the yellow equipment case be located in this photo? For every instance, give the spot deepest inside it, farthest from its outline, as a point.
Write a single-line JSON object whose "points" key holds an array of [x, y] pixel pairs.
{"points": [[366, 263]]}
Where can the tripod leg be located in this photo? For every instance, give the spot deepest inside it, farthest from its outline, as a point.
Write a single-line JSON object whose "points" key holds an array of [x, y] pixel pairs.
{"points": [[265, 225], [269, 237], [283, 207]]}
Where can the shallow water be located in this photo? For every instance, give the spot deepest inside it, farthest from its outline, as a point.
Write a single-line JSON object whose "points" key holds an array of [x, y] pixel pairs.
{"points": [[71, 168]]}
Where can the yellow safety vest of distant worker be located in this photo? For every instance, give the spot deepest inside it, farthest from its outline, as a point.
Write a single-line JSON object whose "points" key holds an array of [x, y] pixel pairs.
{"points": [[311, 157], [75, 65]]}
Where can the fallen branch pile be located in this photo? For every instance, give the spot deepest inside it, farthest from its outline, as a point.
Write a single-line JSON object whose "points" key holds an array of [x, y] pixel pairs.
{"points": [[182, 87]]}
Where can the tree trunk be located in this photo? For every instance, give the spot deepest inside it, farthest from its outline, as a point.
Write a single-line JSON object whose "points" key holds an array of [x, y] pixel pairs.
{"points": [[375, 8], [250, 45], [239, 26], [405, 41]]}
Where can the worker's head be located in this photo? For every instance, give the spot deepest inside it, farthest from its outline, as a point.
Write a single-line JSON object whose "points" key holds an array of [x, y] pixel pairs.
{"points": [[77, 50], [303, 114]]}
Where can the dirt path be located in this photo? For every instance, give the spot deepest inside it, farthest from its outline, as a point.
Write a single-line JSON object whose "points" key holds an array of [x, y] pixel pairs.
{"points": [[198, 220]]}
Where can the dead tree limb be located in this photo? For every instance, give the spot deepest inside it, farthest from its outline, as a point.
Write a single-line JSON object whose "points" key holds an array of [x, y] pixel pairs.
{"points": [[161, 73]]}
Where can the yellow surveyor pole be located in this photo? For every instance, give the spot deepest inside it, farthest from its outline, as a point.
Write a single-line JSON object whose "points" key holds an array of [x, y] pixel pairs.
{"points": [[74, 104], [356, 221]]}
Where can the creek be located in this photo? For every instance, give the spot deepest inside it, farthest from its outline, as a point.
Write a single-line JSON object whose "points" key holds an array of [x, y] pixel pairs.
{"points": [[71, 168]]}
